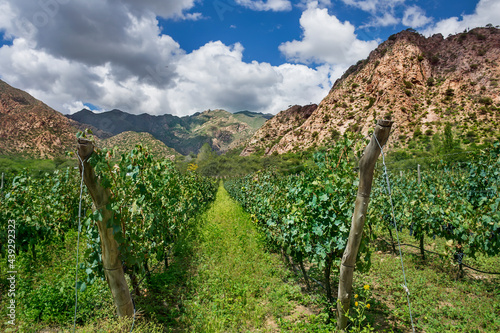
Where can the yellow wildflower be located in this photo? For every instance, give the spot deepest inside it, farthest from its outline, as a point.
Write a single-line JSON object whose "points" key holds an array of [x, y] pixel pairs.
{"points": [[356, 303], [356, 296], [366, 287], [367, 306]]}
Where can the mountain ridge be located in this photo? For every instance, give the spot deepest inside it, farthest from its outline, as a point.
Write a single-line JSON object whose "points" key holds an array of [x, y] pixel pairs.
{"points": [[421, 83], [221, 129]]}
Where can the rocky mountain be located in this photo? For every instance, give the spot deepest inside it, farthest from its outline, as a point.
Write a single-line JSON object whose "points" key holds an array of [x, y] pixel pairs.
{"points": [[221, 129], [277, 127], [29, 128], [421, 83]]}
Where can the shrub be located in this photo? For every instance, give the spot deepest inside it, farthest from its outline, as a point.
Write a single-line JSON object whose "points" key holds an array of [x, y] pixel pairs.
{"points": [[371, 101], [335, 134], [485, 100], [481, 37]]}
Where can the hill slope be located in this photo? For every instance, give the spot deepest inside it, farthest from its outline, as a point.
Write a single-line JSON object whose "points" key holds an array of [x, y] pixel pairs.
{"points": [[273, 130], [29, 128], [126, 141], [421, 83]]}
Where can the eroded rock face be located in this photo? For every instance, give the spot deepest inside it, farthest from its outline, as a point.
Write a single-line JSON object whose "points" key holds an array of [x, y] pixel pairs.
{"points": [[277, 127], [421, 83], [30, 128]]}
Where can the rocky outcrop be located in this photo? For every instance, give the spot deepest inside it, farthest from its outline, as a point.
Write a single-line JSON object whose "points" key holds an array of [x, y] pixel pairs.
{"points": [[29, 128], [421, 83], [277, 127]]}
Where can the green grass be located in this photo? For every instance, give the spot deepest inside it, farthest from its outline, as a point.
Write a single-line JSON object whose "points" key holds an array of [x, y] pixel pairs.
{"points": [[440, 301], [235, 285]]}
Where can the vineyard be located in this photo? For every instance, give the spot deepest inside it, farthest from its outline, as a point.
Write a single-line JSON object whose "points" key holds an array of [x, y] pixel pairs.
{"points": [[307, 216], [151, 204], [188, 257]]}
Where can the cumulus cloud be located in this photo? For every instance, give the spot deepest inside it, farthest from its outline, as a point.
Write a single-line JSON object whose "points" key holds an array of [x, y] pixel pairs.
{"points": [[326, 40], [84, 55], [166, 9], [303, 4], [256, 86], [374, 6], [382, 12], [112, 54], [385, 20], [273, 5], [95, 33], [414, 17], [486, 12]]}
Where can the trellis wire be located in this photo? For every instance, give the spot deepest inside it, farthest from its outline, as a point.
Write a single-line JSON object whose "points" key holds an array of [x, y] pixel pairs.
{"points": [[78, 241], [405, 285], [440, 254]]}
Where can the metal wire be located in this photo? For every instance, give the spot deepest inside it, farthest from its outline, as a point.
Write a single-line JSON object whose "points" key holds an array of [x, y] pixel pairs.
{"points": [[78, 242], [405, 285]]}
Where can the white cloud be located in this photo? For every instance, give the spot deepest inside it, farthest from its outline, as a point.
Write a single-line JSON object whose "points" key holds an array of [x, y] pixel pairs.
{"points": [[382, 21], [487, 11], [84, 55], [326, 40], [74, 107], [209, 74], [166, 9], [414, 17], [303, 4], [374, 6], [273, 5], [214, 76], [382, 12]]}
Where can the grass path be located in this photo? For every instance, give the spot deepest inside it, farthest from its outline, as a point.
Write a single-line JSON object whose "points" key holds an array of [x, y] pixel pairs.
{"points": [[235, 285]]}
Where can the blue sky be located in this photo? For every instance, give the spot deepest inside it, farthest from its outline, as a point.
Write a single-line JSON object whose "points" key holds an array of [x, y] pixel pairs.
{"points": [[185, 56]]}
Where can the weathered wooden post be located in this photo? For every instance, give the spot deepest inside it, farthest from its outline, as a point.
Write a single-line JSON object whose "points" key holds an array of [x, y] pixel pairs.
{"points": [[366, 169], [113, 269], [1, 187]]}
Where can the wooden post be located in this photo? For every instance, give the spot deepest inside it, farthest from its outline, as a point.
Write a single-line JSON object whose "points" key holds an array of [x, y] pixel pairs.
{"points": [[113, 269], [418, 170], [1, 187], [401, 174], [366, 169]]}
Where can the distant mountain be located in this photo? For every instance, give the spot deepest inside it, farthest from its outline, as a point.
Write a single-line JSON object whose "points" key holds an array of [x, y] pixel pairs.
{"points": [[421, 83], [29, 128], [252, 114], [221, 129], [126, 141]]}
